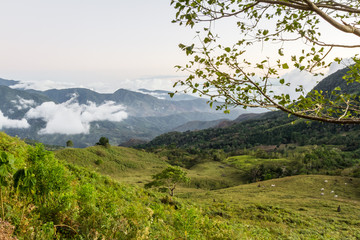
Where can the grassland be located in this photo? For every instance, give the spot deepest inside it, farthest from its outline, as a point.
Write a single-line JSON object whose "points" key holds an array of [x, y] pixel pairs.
{"points": [[120, 163], [293, 208], [284, 208], [245, 162]]}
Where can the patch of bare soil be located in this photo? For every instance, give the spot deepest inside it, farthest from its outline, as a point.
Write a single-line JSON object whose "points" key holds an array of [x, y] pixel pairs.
{"points": [[6, 231]]}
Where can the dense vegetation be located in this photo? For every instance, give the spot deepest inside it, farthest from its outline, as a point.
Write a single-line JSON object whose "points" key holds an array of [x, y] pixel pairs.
{"points": [[274, 128], [47, 198]]}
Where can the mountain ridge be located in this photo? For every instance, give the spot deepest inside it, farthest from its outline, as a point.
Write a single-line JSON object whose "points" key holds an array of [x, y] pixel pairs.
{"points": [[147, 116]]}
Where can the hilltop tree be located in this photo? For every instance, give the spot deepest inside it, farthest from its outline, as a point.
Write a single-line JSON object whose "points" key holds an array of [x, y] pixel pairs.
{"points": [[168, 179], [69, 143], [294, 29], [103, 141]]}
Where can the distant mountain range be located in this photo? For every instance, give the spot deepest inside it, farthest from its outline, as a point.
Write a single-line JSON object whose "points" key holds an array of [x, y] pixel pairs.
{"points": [[127, 117], [83, 116], [270, 128]]}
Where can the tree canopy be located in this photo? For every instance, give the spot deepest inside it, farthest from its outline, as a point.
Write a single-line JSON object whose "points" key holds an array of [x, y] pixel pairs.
{"points": [[229, 74], [168, 179], [103, 141]]}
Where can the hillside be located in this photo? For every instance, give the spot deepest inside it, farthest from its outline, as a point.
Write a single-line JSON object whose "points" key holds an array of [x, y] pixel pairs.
{"points": [[329, 83], [289, 208], [271, 128], [57, 200], [123, 164], [74, 202]]}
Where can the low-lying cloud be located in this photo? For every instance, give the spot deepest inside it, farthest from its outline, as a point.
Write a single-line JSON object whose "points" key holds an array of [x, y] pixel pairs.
{"points": [[72, 118], [21, 103], [6, 122]]}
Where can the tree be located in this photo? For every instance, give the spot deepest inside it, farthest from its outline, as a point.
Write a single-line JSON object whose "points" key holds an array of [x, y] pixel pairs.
{"points": [[168, 179], [69, 143], [103, 141], [227, 75]]}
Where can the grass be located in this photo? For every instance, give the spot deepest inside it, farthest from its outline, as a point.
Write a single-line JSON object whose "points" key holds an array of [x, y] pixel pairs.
{"points": [[248, 161], [291, 209], [214, 175], [124, 164]]}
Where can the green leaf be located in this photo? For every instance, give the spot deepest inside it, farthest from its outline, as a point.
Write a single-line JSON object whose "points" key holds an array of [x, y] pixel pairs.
{"points": [[280, 51], [285, 66]]}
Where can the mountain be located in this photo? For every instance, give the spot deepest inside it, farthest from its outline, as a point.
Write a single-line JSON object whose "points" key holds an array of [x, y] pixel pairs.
{"points": [[83, 116], [165, 95], [271, 128], [334, 80], [15, 103], [198, 125], [137, 104], [5, 82]]}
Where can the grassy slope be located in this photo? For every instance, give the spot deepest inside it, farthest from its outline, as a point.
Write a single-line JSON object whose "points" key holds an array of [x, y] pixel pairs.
{"points": [[293, 209], [120, 163], [136, 166]]}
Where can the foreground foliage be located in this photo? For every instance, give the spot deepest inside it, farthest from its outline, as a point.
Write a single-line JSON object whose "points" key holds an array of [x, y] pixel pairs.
{"points": [[51, 199]]}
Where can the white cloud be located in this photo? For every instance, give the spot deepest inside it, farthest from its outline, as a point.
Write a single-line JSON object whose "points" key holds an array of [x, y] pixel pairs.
{"points": [[21, 103], [43, 85], [5, 122], [72, 118]]}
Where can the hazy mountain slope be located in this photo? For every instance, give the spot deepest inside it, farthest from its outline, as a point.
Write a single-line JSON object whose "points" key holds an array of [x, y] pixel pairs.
{"points": [[271, 128], [148, 116], [15, 103], [198, 125], [82, 95], [5, 82], [336, 80], [165, 95]]}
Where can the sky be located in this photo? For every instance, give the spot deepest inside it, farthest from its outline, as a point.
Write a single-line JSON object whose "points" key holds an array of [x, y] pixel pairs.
{"points": [[99, 44], [103, 45]]}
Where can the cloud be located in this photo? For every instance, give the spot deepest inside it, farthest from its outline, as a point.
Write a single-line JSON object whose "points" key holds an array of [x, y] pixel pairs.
{"points": [[72, 118], [43, 85], [21, 103], [5, 122], [104, 85]]}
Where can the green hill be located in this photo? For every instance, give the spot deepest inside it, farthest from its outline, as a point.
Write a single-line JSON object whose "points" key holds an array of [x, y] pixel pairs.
{"points": [[120, 163], [289, 208], [273, 128], [55, 199]]}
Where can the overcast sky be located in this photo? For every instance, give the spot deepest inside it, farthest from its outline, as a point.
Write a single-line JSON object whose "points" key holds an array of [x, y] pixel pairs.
{"points": [[89, 42], [99, 44]]}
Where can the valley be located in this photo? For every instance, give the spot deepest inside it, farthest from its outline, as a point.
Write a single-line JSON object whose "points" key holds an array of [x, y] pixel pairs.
{"points": [[258, 176]]}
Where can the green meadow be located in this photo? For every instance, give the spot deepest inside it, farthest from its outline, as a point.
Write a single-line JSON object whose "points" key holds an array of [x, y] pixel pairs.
{"points": [[98, 193]]}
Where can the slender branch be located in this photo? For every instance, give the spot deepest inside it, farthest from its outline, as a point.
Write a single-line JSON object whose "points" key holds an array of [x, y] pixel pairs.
{"points": [[342, 27], [330, 45], [312, 67]]}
